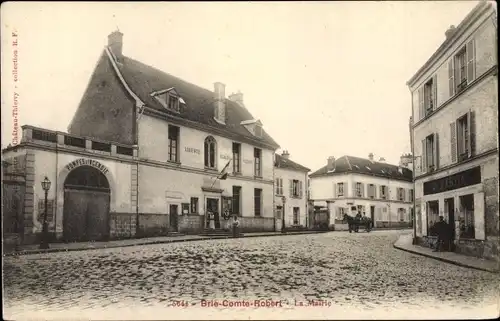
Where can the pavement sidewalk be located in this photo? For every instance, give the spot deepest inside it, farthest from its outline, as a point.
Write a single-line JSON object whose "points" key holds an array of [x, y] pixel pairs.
{"points": [[405, 243], [82, 246]]}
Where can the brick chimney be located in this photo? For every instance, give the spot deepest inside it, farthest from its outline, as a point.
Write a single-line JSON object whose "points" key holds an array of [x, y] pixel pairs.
{"points": [[330, 166], [382, 160], [370, 157], [115, 43], [219, 102], [285, 154], [237, 98], [451, 30]]}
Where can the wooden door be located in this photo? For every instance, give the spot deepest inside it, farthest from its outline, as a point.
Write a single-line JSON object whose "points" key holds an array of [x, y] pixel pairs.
{"points": [[75, 215], [174, 218], [97, 215]]}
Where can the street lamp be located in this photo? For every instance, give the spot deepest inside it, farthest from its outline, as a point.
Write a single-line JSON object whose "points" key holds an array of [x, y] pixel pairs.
{"points": [[44, 243], [283, 198]]}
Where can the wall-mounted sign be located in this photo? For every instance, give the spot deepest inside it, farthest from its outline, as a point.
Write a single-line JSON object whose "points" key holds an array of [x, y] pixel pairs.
{"points": [[247, 161], [88, 162], [226, 157], [466, 178], [192, 150]]}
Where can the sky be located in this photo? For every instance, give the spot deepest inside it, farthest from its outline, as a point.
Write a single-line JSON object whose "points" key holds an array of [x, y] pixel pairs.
{"points": [[325, 78]]}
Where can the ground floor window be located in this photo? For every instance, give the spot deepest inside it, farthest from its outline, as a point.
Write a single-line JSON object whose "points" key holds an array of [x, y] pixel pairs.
{"points": [[361, 209], [341, 212], [466, 216], [257, 196], [432, 216], [296, 214], [401, 214]]}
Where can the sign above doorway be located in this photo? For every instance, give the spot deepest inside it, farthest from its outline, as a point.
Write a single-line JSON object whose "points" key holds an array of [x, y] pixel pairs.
{"points": [[88, 162]]}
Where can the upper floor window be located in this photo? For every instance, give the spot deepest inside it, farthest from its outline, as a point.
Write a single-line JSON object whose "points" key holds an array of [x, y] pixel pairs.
{"points": [[359, 187], [383, 192], [430, 153], [210, 151], [236, 158], [401, 194], [463, 137], [429, 96], [257, 155], [279, 186], [340, 189], [173, 102], [173, 143], [462, 68], [411, 195], [296, 188], [371, 191]]}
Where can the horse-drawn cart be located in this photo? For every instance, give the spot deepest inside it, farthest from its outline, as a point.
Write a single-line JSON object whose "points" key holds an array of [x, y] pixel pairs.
{"points": [[358, 221]]}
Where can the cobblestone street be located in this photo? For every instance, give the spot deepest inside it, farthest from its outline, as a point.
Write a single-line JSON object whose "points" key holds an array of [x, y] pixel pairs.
{"points": [[360, 271]]}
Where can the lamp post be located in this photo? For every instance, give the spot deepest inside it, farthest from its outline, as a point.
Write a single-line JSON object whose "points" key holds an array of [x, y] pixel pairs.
{"points": [[283, 198], [44, 243]]}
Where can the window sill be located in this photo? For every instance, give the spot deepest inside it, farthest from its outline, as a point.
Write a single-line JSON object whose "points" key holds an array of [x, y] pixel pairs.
{"points": [[257, 177], [213, 169]]}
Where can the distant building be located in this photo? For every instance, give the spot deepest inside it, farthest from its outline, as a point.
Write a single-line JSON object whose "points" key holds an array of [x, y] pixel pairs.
{"points": [[290, 185], [455, 135], [141, 157], [376, 189]]}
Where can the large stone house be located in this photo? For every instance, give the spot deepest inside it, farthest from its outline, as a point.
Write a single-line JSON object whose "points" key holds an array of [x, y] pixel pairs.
{"points": [[143, 156], [455, 135]]}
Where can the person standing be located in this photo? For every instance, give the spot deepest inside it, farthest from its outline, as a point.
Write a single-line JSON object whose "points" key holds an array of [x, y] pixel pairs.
{"points": [[442, 232]]}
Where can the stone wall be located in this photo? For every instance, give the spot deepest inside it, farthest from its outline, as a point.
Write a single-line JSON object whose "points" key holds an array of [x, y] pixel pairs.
{"points": [[153, 224], [122, 225], [490, 186], [482, 249], [191, 224], [256, 224]]}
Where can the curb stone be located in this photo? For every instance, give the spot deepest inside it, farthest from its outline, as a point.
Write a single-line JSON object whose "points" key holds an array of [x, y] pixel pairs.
{"points": [[201, 238], [450, 261]]}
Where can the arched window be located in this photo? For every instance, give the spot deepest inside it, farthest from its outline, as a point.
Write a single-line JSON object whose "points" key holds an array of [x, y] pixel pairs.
{"points": [[210, 151]]}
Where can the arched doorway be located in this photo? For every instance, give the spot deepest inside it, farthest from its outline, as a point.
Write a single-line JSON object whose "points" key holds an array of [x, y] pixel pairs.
{"points": [[86, 205]]}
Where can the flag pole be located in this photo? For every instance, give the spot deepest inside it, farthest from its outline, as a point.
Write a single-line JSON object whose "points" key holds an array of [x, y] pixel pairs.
{"points": [[218, 176]]}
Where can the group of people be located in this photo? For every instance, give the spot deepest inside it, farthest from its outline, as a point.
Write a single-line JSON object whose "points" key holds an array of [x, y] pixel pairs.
{"points": [[444, 233]]}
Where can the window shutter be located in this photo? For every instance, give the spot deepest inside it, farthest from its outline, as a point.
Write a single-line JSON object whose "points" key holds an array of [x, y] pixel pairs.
{"points": [[300, 189], [472, 132], [335, 189], [354, 189], [471, 61], [421, 107], [374, 191], [290, 184], [424, 218], [345, 190], [451, 77], [424, 156], [453, 136], [479, 225], [434, 92], [436, 151]]}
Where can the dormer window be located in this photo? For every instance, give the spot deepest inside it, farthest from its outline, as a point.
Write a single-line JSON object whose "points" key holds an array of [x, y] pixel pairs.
{"points": [[169, 98], [173, 102], [254, 127], [258, 130]]}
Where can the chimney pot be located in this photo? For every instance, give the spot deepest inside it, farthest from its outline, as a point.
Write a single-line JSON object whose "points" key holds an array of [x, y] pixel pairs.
{"points": [[285, 154], [370, 156], [451, 30], [382, 160], [330, 164], [115, 43], [237, 98]]}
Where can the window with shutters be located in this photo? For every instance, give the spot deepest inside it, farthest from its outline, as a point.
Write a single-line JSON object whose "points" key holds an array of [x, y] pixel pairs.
{"points": [[295, 188], [411, 195], [236, 158], [371, 191], [257, 156], [173, 143], [257, 197], [358, 190], [401, 194], [463, 137], [429, 153], [429, 97], [340, 189], [461, 70], [383, 192], [279, 186]]}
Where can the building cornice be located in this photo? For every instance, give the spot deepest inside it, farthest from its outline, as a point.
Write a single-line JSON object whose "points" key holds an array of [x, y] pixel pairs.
{"points": [[205, 128], [493, 71], [468, 21], [378, 200], [454, 165], [361, 174]]}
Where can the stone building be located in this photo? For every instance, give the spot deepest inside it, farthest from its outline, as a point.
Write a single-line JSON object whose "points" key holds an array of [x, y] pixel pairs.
{"points": [[454, 135], [143, 156], [379, 190], [290, 190]]}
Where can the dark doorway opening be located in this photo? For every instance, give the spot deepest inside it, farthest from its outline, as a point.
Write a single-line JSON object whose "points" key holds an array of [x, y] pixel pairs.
{"points": [[174, 218]]}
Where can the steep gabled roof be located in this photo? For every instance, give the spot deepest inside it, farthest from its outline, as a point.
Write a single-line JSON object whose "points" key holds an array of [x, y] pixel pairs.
{"points": [[357, 165], [199, 102], [282, 162]]}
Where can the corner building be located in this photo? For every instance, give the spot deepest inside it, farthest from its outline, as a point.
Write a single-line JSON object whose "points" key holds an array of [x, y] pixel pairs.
{"points": [[455, 136]]}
